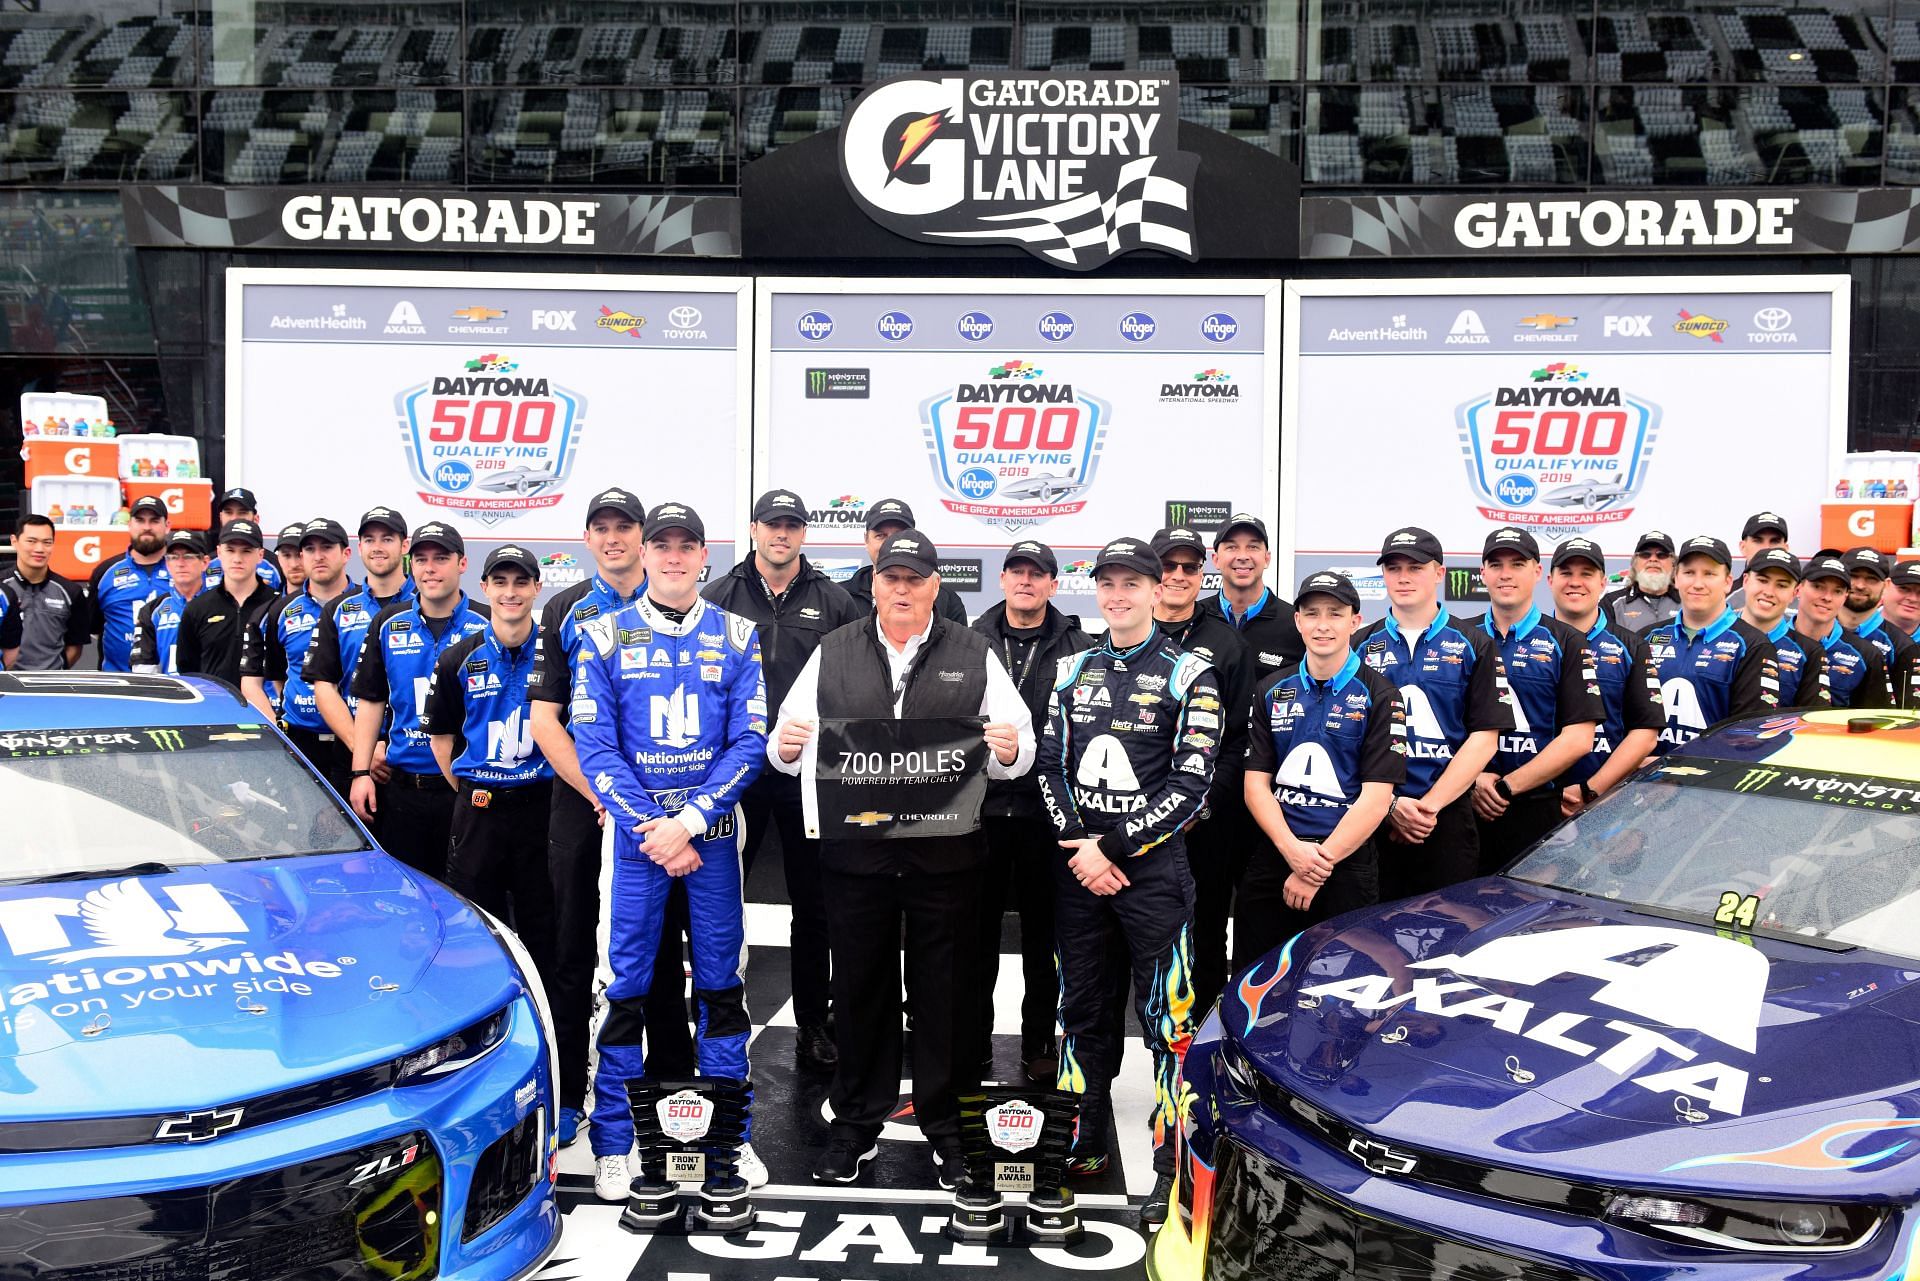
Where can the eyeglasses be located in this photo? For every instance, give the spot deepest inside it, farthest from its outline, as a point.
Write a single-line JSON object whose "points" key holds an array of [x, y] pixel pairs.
{"points": [[1171, 566]]}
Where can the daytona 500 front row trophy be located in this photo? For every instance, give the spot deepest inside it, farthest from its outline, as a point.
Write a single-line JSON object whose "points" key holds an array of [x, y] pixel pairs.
{"points": [[689, 1132], [1015, 1140]]}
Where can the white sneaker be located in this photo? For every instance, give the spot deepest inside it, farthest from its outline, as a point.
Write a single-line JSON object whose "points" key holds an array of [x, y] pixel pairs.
{"points": [[751, 1167], [610, 1178]]}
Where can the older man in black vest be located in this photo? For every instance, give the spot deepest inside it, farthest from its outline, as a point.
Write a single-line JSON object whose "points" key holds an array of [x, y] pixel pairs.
{"points": [[903, 663]]}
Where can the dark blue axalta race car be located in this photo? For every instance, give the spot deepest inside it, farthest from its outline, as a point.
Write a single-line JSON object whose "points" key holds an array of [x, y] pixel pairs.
{"points": [[1678, 1038], [238, 1040]]}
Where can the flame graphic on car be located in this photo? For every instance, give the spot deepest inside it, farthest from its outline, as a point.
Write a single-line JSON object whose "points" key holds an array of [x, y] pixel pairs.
{"points": [[1814, 1152], [1252, 993]]}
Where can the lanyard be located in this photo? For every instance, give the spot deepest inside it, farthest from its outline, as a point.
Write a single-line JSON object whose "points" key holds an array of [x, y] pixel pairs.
{"points": [[1026, 666]]}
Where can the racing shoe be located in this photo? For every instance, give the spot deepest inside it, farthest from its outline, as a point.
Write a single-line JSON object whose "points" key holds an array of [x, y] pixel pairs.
{"points": [[569, 1126], [842, 1160], [750, 1167], [611, 1181], [950, 1165], [1084, 1165], [1153, 1211]]}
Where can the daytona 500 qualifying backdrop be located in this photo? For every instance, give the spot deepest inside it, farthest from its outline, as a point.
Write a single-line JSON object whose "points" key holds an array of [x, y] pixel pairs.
{"points": [[498, 403], [1072, 413], [1599, 407]]}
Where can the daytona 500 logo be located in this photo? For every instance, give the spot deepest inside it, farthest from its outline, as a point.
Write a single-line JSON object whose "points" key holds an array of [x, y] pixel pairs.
{"points": [[1016, 448], [492, 441], [1559, 454]]}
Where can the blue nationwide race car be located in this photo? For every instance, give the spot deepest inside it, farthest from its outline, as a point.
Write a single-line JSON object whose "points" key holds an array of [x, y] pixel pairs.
{"points": [[237, 1040], [1678, 1038]]}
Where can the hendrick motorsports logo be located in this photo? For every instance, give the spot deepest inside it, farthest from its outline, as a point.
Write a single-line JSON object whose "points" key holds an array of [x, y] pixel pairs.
{"points": [[491, 442], [1014, 450], [1075, 168], [1558, 455]]}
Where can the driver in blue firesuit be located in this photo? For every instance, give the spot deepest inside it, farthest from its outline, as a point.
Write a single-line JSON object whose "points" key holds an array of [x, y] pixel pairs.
{"points": [[669, 718]]}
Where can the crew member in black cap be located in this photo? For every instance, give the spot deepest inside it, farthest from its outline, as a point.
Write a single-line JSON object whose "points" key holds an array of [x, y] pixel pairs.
{"points": [[157, 624], [1649, 598], [334, 651], [1629, 688], [481, 732], [1854, 673], [240, 504], [1768, 589], [1868, 570], [1761, 531], [1556, 703], [1218, 845], [1326, 747], [1712, 665], [214, 624], [794, 606], [286, 554], [886, 518], [122, 584], [886, 666], [1241, 551], [276, 647], [1031, 637]]}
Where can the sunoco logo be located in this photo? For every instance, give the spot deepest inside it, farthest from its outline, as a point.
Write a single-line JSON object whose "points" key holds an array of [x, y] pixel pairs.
{"points": [[1137, 326], [1074, 168], [814, 325], [620, 322], [1208, 387], [975, 326], [1694, 326]]}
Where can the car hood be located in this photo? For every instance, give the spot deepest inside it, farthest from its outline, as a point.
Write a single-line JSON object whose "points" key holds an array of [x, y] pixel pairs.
{"points": [[116, 995], [1524, 1027]]}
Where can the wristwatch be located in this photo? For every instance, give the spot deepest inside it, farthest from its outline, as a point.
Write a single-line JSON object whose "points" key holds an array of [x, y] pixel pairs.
{"points": [[1500, 786], [1587, 794], [361, 773]]}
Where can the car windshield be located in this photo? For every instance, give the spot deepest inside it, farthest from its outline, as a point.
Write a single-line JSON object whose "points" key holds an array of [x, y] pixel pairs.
{"points": [[96, 800], [1758, 848]]}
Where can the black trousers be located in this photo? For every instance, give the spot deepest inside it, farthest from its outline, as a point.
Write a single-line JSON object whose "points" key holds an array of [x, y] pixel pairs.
{"points": [[573, 867], [1528, 818], [1449, 855], [1263, 921], [773, 803], [416, 820], [326, 754], [1217, 848], [1021, 853], [864, 917], [494, 858]]}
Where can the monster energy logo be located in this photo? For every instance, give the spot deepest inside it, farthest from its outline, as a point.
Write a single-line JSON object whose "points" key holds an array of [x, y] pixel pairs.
{"points": [[1198, 514], [838, 384], [167, 740], [1465, 584], [1757, 780]]}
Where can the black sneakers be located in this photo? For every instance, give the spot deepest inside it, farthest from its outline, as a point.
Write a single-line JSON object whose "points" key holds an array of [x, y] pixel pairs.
{"points": [[814, 1050], [950, 1165], [1153, 1211], [843, 1158]]}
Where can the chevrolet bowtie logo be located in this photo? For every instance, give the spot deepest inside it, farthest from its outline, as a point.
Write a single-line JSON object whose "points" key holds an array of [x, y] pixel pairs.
{"points": [[1381, 1159], [198, 1127], [478, 314], [1545, 320], [870, 818]]}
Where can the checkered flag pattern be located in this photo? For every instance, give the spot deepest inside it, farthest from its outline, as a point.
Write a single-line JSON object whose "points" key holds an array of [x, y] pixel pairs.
{"points": [[1148, 210]]}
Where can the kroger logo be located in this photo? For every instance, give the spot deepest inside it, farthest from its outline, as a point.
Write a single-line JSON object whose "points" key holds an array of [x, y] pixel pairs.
{"points": [[895, 325], [453, 476], [1137, 326], [815, 325], [977, 482], [1219, 327], [1515, 491], [1056, 326], [976, 326]]}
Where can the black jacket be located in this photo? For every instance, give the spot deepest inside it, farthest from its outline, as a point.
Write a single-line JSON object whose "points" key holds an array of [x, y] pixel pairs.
{"points": [[1273, 642], [947, 605], [791, 626], [212, 629], [1032, 666], [1207, 633]]}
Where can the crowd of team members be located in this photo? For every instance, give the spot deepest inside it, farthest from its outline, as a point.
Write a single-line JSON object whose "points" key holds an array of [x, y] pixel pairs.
{"points": [[1238, 758]]}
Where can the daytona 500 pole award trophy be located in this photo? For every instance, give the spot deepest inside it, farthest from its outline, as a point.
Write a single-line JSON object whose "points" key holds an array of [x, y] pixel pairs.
{"points": [[689, 1132], [1037, 1129]]}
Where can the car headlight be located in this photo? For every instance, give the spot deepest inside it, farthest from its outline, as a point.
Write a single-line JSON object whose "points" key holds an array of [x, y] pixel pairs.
{"points": [[1769, 1226], [463, 1049]]}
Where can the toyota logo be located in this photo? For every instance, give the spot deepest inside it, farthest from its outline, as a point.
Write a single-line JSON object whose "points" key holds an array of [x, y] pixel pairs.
{"points": [[1772, 319], [685, 317]]}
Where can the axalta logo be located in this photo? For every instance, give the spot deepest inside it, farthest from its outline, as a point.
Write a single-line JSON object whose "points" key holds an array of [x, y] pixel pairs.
{"points": [[894, 326], [1773, 326], [1601, 224], [1219, 327], [1698, 326], [1056, 326], [620, 322], [975, 326], [1208, 386], [1468, 331], [814, 325], [1137, 326], [404, 320], [685, 322]]}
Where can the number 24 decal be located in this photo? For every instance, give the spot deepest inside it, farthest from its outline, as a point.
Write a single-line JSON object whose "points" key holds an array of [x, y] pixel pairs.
{"points": [[1736, 909]]}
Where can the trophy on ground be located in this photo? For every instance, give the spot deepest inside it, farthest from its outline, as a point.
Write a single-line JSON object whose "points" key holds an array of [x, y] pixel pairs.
{"points": [[689, 1132], [1015, 1140]]}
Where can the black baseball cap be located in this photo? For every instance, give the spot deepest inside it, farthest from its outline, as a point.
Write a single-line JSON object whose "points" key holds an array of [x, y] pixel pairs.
{"points": [[1169, 537], [331, 530], [1038, 554], [240, 531], [237, 495], [1414, 543], [1579, 549], [1865, 558], [673, 516], [1764, 520], [1776, 558], [1327, 583], [1241, 520], [1129, 553], [148, 506], [889, 510], [617, 499], [1510, 539], [1826, 567], [290, 536], [439, 534], [186, 540], [1906, 573], [1706, 545], [1653, 538], [386, 518], [779, 504], [908, 549], [512, 554]]}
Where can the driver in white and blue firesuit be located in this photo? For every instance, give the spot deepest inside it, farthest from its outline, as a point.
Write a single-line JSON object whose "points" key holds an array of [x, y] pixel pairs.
{"points": [[669, 719], [156, 626], [1711, 665]]}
